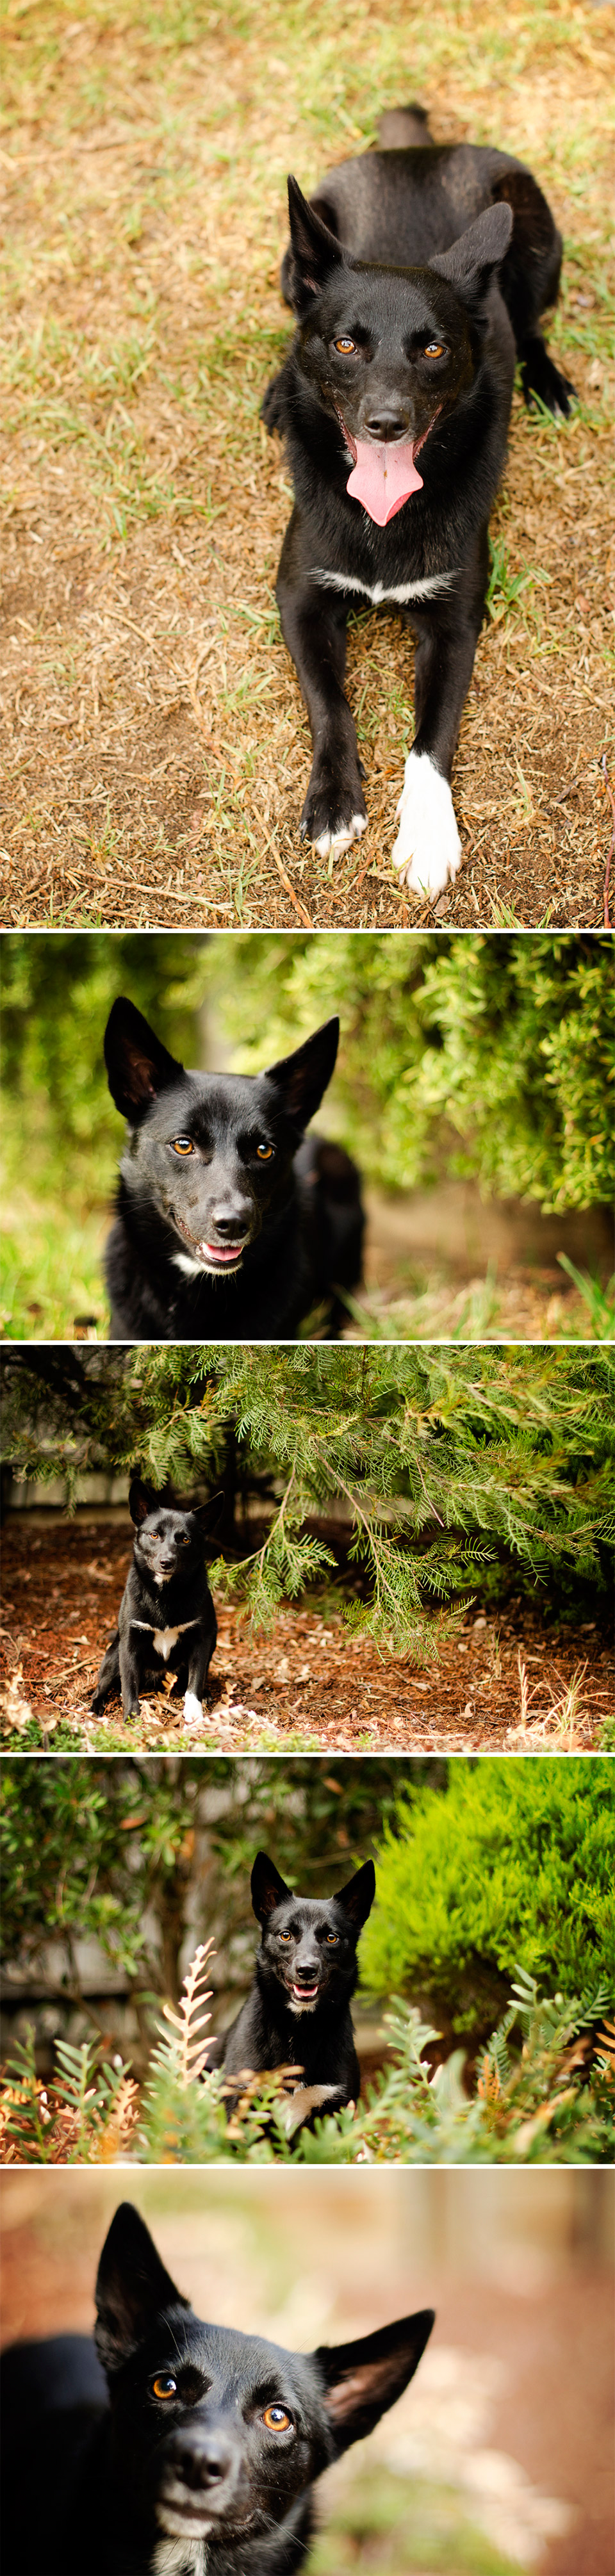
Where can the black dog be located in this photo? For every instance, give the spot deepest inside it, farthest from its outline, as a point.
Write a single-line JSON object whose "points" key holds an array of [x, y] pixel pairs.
{"points": [[192, 2451], [298, 2010], [167, 1620], [227, 1225], [415, 274]]}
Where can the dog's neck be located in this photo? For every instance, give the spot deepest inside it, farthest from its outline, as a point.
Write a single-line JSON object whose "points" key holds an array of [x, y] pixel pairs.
{"points": [[179, 2558]]}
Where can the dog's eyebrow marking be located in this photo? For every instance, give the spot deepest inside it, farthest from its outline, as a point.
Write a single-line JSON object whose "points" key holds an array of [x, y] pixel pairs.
{"points": [[381, 590]]}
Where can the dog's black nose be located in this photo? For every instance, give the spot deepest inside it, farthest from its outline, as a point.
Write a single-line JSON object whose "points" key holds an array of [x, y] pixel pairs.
{"points": [[231, 1228], [387, 426], [203, 2463]]}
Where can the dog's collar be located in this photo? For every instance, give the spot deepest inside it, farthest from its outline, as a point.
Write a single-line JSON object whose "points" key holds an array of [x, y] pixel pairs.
{"points": [[379, 591]]}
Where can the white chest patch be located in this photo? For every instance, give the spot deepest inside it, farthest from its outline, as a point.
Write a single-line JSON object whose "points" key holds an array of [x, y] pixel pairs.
{"points": [[400, 592], [428, 849], [164, 1639], [179, 2558]]}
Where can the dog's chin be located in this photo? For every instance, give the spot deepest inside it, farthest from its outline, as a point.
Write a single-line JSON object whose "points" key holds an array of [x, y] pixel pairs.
{"points": [[181, 2521], [219, 1261], [302, 1998], [180, 2525]]}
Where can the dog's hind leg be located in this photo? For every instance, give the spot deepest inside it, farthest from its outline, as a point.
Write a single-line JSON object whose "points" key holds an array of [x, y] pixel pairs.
{"points": [[529, 282], [108, 1684], [401, 129]]}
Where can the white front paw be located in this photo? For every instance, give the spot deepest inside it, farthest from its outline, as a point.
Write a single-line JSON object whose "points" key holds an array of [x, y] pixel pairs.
{"points": [[340, 836], [193, 1709], [428, 849]]}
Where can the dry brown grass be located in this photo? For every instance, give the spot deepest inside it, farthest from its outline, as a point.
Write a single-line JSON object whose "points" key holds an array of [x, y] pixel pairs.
{"points": [[157, 747]]}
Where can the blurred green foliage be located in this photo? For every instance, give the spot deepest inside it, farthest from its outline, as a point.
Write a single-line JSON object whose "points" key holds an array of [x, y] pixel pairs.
{"points": [[515, 1861], [145, 1855], [489, 1056]]}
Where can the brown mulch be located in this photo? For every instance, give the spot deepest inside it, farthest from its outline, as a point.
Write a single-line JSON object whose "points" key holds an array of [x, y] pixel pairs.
{"points": [[157, 747], [307, 1686]]}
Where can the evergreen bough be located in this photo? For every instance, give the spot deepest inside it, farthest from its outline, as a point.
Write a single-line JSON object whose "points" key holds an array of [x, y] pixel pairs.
{"points": [[451, 1464]]}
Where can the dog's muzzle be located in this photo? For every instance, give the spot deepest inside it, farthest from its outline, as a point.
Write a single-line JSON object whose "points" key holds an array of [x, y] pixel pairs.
{"points": [[212, 1256]]}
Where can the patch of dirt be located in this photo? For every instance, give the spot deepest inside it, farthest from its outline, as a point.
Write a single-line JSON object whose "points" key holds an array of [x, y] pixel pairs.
{"points": [[156, 742], [307, 1686]]}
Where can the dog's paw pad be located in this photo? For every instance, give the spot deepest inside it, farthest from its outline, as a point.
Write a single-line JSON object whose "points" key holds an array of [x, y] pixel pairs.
{"points": [[193, 1709], [428, 849], [340, 836]]}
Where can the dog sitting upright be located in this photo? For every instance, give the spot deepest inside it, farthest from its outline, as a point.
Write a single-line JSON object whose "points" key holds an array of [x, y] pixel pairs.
{"points": [[416, 273], [298, 2009], [231, 1223], [183, 2449], [167, 1620]]}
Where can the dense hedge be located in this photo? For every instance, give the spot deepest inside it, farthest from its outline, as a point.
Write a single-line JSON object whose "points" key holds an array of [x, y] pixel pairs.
{"points": [[515, 1861]]}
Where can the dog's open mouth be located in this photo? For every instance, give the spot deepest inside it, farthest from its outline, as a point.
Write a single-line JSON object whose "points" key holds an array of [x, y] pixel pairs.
{"points": [[384, 476], [303, 1994], [211, 1256]]}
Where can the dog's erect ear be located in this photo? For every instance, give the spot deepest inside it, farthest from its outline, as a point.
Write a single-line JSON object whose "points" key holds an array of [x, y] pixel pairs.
{"points": [[138, 1066], [358, 1897], [132, 2286], [315, 252], [363, 2379], [469, 264], [140, 1502], [301, 1078], [267, 1888]]}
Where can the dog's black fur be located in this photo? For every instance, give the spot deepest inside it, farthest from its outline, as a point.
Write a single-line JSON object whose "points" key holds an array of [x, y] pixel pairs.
{"points": [[434, 263], [298, 2010], [215, 1165], [166, 1597], [103, 2477]]}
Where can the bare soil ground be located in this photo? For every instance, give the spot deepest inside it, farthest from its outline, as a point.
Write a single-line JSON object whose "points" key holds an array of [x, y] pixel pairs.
{"points": [[516, 1683], [157, 747]]}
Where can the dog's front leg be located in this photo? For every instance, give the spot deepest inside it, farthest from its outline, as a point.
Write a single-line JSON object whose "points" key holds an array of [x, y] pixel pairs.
{"points": [[428, 849], [129, 1674], [198, 1668], [314, 628]]}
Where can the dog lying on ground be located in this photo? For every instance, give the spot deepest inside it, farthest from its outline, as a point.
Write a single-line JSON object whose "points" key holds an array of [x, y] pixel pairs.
{"points": [[231, 1223], [298, 2010], [417, 273], [167, 1621], [176, 2448]]}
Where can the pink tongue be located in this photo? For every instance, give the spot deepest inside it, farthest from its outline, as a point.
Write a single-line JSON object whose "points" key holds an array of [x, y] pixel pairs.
{"points": [[383, 479]]}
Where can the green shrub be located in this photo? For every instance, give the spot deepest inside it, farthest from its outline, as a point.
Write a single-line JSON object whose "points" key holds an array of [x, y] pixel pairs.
{"points": [[514, 1861], [549, 2101]]}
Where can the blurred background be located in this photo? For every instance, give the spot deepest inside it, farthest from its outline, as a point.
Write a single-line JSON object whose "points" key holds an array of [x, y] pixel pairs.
{"points": [[499, 2456], [472, 1086]]}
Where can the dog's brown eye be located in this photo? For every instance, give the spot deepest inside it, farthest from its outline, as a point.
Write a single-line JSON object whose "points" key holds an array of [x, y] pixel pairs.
{"points": [[276, 2419], [346, 348], [285, 1936], [332, 1936], [435, 349], [182, 1145], [264, 1153], [166, 2386]]}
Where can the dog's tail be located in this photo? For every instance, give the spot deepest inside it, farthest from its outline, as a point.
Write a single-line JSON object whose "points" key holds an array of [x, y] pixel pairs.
{"points": [[401, 128]]}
